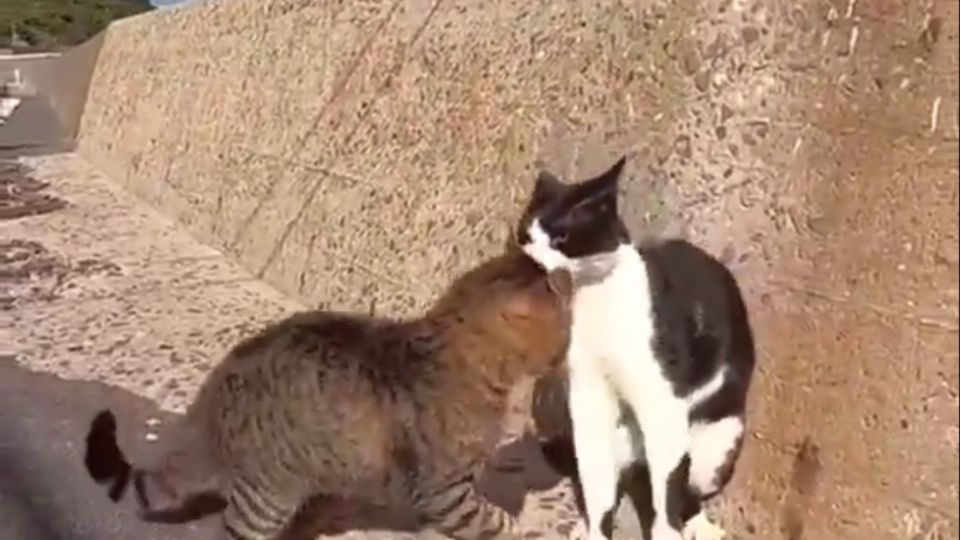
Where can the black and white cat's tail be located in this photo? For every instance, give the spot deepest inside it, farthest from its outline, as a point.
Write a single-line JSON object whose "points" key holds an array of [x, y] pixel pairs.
{"points": [[107, 465]]}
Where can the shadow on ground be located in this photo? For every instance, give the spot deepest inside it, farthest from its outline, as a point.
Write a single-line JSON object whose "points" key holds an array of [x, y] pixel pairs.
{"points": [[45, 493]]}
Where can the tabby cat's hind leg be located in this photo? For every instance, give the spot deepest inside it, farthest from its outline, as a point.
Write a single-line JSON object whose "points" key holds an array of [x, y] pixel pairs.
{"points": [[256, 513]]}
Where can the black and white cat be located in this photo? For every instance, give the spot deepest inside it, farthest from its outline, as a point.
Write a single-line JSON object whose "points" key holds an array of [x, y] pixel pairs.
{"points": [[659, 330]]}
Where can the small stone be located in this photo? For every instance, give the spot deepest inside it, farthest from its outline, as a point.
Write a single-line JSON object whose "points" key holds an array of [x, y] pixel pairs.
{"points": [[683, 147], [728, 254], [818, 225], [726, 113], [662, 153], [931, 33], [716, 48], [750, 34], [691, 62], [702, 80], [152, 437], [800, 65]]}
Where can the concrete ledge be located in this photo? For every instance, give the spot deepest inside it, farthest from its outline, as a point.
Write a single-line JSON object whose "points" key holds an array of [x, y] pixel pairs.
{"points": [[142, 287]]}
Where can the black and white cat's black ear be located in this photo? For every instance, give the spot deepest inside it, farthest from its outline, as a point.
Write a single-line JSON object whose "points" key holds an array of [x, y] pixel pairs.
{"points": [[608, 181], [547, 187], [601, 190]]}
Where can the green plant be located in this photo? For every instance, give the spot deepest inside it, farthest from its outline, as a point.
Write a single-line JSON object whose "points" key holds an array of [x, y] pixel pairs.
{"points": [[53, 24]]}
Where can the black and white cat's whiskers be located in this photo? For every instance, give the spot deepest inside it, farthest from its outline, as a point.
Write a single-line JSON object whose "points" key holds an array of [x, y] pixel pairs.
{"points": [[629, 344]]}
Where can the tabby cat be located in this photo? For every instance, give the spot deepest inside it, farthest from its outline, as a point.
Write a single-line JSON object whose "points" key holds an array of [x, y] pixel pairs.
{"points": [[660, 359], [354, 406]]}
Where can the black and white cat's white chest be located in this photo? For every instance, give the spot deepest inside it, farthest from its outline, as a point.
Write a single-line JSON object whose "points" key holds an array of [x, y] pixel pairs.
{"points": [[639, 317]]}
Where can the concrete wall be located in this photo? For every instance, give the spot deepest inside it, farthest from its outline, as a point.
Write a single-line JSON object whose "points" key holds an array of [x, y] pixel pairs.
{"points": [[369, 150], [357, 154]]}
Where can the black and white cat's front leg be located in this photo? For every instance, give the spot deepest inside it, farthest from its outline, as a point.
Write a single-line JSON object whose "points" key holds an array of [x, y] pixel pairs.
{"points": [[594, 413], [664, 421]]}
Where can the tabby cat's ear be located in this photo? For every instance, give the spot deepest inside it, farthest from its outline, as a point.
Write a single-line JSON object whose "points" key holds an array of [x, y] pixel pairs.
{"points": [[547, 187], [561, 283], [532, 299]]}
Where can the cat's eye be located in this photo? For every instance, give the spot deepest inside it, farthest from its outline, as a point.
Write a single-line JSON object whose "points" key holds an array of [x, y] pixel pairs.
{"points": [[559, 238]]}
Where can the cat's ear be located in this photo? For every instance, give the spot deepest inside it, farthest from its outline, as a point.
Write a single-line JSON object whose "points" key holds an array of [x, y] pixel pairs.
{"points": [[540, 294], [601, 191], [560, 282], [547, 187], [608, 182]]}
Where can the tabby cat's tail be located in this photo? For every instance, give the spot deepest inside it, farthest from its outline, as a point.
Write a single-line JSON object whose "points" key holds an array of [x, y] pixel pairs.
{"points": [[104, 460], [157, 500]]}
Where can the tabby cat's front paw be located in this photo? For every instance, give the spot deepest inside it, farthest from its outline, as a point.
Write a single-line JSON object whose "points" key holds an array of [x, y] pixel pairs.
{"points": [[701, 528]]}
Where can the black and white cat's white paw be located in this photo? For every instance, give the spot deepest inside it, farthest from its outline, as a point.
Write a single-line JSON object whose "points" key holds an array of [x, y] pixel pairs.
{"points": [[663, 531], [701, 528]]}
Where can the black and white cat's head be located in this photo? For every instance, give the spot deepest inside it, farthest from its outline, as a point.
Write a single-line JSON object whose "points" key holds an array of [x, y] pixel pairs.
{"points": [[569, 226]]}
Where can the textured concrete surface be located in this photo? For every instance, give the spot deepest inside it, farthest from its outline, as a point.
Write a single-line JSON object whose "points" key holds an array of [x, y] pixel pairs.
{"points": [[106, 289], [358, 154]]}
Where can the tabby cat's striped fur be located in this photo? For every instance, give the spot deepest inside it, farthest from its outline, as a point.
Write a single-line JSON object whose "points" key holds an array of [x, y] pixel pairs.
{"points": [[352, 406]]}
